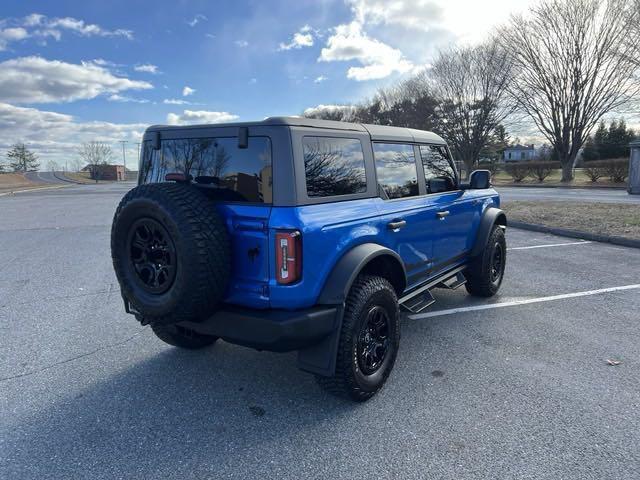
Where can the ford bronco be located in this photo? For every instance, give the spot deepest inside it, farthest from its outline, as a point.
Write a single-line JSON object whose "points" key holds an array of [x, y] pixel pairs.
{"points": [[299, 234]]}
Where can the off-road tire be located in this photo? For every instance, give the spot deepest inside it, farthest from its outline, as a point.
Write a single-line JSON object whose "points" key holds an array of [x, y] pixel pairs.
{"points": [[349, 380], [201, 250], [182, 337], [480, 280]]}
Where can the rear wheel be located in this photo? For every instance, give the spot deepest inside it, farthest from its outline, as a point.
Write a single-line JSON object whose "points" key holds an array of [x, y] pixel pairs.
{"points": [[369, 340], [182, 337], [485, 272]]}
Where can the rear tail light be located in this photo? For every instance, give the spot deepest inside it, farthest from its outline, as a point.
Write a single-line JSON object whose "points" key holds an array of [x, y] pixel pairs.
{"points": [[288, 257]]}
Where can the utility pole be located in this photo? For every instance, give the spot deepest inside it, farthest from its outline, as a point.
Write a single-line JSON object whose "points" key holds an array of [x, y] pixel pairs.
{"points": [[124, 158], [138, 144]]}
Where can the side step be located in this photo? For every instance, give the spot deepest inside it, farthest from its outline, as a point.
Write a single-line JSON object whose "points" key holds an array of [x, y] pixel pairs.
{"points": [[419, 302], [453, 282], [421, 298]]}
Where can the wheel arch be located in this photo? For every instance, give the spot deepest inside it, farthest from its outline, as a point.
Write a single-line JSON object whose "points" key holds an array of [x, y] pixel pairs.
{"points": [[491, 216], [370, 258]]}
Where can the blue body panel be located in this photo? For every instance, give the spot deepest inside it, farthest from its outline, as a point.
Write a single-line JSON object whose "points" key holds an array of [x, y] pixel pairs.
{"points": [[426, 244]]}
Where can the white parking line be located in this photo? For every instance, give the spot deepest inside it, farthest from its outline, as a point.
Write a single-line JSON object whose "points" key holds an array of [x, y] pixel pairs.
{"points": [[584, 242], [439, 313]]}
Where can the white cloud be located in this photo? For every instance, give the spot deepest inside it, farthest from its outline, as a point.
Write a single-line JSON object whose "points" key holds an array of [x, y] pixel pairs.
{"points": [[42, 27], [124, 99], [196, 20], [190, 117], [302, 38], [320, 79], [37, 80], [416, 14], [253, 81], [241, 43], [378, 59], [186, 91], [328, 108], [56, 136], [147, 68], [175, 101]]}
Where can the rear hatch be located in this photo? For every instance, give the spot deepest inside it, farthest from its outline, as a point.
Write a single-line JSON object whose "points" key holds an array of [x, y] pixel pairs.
{"points": [[239, 180]]}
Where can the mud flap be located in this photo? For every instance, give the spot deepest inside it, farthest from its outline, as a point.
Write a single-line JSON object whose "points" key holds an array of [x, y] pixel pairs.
{"points": [[321, 358]]}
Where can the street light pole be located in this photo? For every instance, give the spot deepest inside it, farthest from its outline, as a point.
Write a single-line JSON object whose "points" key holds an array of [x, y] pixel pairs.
{"points": [[124, 158]]}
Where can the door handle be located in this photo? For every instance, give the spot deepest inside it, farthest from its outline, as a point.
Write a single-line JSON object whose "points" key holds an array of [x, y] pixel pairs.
{"points": [[396, 224], [443, 214]]}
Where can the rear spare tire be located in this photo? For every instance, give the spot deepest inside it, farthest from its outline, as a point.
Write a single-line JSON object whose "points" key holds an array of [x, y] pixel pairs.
{"points": [[171, 253]]}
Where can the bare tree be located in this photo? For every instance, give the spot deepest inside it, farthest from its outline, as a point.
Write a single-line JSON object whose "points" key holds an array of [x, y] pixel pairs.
{"points": [[575, 61], [96, 155], [53, 166], [471, 85]]}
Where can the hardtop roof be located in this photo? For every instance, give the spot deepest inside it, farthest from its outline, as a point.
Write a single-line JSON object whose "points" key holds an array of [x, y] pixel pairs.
{"points": [[377, 132]]}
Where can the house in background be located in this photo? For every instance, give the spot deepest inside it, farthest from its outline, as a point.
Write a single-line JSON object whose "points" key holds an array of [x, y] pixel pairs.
{"points": [[519, 153]]}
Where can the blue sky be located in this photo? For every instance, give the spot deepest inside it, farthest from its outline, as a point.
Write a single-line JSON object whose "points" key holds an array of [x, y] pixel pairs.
{"points": [[74, 71]]}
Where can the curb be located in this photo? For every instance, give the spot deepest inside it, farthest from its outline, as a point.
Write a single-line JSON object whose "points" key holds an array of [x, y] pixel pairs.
{"points": [[32, 190], [566, 187], [564, 232]]}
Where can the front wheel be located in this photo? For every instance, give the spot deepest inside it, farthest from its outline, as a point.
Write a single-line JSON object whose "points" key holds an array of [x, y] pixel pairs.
{"points": [[485, 272], [369, 340]]}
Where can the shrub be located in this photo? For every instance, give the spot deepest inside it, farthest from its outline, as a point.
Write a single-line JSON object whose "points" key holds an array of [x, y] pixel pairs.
{"points": [[518, 170], [540, 170], [594, 170], [617, 169], [492, 165]]}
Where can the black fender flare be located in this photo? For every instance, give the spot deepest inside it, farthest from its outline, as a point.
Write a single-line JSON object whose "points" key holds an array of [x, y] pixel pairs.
{"points": [[490, 217], [345, 271], [320, 359]]}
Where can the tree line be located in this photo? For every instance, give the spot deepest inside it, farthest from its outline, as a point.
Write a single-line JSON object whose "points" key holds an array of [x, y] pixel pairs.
{"points": [[562, 67]]}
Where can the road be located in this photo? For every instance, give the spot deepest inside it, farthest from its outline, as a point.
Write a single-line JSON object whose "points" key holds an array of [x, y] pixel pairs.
{"points": [[606, 195], [47, 177], [517, 386]]}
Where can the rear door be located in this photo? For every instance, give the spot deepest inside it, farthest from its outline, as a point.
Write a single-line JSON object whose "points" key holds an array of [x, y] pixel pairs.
{"points": [[407, 225], [452, 209]]}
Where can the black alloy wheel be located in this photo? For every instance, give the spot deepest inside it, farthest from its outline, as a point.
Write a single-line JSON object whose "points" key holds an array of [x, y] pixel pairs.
{"points": [[152, 255]]}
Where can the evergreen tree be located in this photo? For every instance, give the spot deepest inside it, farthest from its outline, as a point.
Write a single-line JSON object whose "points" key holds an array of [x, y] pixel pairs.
{"points": [[21, 159], [590, 151]]}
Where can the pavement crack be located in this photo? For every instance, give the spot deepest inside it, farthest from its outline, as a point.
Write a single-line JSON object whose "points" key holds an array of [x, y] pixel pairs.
{"points": [[68, 360]]}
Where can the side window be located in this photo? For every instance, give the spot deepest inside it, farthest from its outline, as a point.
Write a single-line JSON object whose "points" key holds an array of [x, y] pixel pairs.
{"points": [[439, 175], [333, 166], [396, 169]]}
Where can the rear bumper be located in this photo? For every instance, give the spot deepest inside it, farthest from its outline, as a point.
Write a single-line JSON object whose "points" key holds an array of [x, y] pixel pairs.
{"points": [[273, 330]]}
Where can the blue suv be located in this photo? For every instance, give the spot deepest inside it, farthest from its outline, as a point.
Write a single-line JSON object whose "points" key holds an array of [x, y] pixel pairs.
{"points": [[300, 234]]}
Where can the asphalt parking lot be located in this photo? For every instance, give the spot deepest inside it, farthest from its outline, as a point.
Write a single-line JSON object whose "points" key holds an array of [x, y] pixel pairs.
{"points": [[518, 386]]}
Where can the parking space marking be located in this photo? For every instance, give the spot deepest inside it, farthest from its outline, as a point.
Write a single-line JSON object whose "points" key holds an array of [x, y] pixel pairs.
{"points": [[439, 313], [584, 242]]}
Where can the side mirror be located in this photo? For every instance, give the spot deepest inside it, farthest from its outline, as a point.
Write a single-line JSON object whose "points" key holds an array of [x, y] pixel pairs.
{"points": [[478, 180]]}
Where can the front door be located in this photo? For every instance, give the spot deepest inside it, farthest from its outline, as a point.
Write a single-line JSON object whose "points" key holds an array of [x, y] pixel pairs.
{"points": [[453, 209]]}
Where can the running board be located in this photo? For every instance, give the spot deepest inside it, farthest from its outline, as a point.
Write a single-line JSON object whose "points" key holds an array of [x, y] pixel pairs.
{"points": [[418, 303], [421, 298], [453, 282]]}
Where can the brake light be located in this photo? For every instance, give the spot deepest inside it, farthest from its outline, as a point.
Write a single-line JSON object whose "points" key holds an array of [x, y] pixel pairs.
{"points": [[288, 257]]}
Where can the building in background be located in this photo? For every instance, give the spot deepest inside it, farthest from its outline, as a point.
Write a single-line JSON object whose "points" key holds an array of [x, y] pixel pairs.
{"points": [[105, 172], [519, 153]]}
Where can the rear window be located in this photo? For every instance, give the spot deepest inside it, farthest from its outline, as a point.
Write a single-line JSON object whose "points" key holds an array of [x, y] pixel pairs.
{"points": [[333, 166], [236, 174]]}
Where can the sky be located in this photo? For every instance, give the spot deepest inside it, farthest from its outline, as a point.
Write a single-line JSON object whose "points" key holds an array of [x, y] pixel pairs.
{"points": [[72, 71]]}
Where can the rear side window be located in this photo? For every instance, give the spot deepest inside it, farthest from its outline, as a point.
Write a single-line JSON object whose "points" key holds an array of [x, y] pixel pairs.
{"points": [[333, 166], [235, 174], [439, 174], [396, 170]]}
